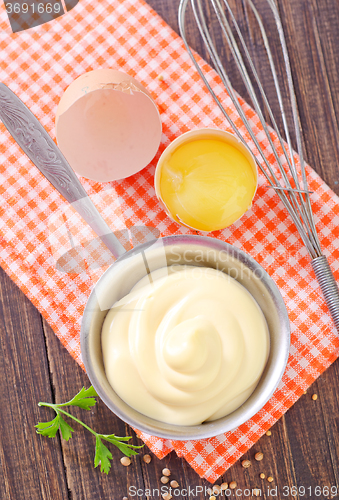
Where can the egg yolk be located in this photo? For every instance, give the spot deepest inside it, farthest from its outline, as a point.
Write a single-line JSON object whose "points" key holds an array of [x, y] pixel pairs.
{"points": [[207, 184]]}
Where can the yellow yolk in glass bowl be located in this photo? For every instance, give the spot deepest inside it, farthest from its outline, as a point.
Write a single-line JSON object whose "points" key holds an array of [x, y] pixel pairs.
{"points": [[207, 183]]}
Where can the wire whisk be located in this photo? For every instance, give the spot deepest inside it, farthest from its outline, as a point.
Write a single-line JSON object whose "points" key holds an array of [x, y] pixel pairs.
{"points": [[289, 184]]}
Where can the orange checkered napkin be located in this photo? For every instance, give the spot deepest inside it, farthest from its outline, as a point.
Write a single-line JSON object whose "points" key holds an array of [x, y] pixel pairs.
{"points": [[38, 228]]}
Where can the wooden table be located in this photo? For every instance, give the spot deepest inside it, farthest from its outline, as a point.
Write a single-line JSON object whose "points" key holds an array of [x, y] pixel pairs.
{"points": [[303, 449]]}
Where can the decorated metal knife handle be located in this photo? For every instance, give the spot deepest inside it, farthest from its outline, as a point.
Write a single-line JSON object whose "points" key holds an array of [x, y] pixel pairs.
{"points": [[33, 139]]}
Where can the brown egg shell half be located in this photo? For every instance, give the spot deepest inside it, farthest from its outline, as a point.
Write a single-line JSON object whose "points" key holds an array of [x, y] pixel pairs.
{"points": [[107, 125]]}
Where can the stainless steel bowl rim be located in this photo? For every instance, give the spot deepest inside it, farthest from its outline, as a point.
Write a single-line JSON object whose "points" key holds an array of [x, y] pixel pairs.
{"points": [[239, 416]]}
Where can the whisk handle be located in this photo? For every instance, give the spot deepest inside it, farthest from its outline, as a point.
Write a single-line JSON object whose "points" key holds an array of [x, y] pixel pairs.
{"points": [[328, 286]]}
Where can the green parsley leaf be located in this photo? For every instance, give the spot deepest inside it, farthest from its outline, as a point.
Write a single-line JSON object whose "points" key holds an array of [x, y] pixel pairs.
{"points": [[49, 429], [127, 449], [66, 430], [84, 399], [102, 456], [113, 436]]}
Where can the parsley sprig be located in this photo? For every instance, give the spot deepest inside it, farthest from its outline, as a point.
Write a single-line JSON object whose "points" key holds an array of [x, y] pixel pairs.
{"points": [[85, 399]]}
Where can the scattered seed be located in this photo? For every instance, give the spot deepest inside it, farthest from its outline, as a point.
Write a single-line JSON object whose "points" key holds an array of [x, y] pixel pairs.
{"points": [[147, 459], [174, 484], [246, 464], [166, 496], [209, 491], [259, 456], [314, 397], [256, 492], [125, 498], [213, 497], [160, 78], [262, 475], [233, 485], [268, 433], [125, 461], [224, 486], [166, 472], [164, 479], [216, 489], [270, 479], [305, 392]]}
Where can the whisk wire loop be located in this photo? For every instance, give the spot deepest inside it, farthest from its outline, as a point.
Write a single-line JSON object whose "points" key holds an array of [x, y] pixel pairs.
{"points": [[280, 29], [268, 171], [248, 84], [304, 210], [293, 192]]}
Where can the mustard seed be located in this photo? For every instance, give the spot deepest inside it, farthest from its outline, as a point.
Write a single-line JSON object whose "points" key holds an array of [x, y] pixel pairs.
{"points": [[125, 461], [256, 492], [259, 456], [166, 472], [147, 459], [174, 484], [213, 497], [262, 475], [314, 397], [270, 479], [233, 485], [246, 464], [216, 489], [166, 496], [268, 433], [224, 486], [164, 479]]}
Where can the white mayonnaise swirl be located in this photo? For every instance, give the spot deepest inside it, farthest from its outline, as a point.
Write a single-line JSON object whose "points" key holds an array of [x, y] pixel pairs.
{"points": [[188, 347]]}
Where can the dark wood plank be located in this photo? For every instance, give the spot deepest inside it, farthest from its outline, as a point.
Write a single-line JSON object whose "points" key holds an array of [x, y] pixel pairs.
{"points": [[327, 389], [312, 459], [83, 480], [312, 31], [181, 472], [303, 448], [31, 465]]}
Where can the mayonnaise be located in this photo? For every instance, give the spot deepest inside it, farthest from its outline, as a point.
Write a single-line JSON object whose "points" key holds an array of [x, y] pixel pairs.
{"points": [[188, 347]]}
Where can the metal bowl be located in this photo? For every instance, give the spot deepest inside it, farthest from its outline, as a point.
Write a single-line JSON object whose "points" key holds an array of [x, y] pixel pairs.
{"points": [[118, 280]]}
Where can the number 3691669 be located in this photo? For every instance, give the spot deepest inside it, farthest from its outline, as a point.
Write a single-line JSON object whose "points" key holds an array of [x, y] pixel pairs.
{"points": [[310, 491], [40, 8]]}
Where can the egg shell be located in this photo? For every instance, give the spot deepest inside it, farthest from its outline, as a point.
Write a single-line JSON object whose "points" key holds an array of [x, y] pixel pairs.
{"points": [[107, 125]]}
